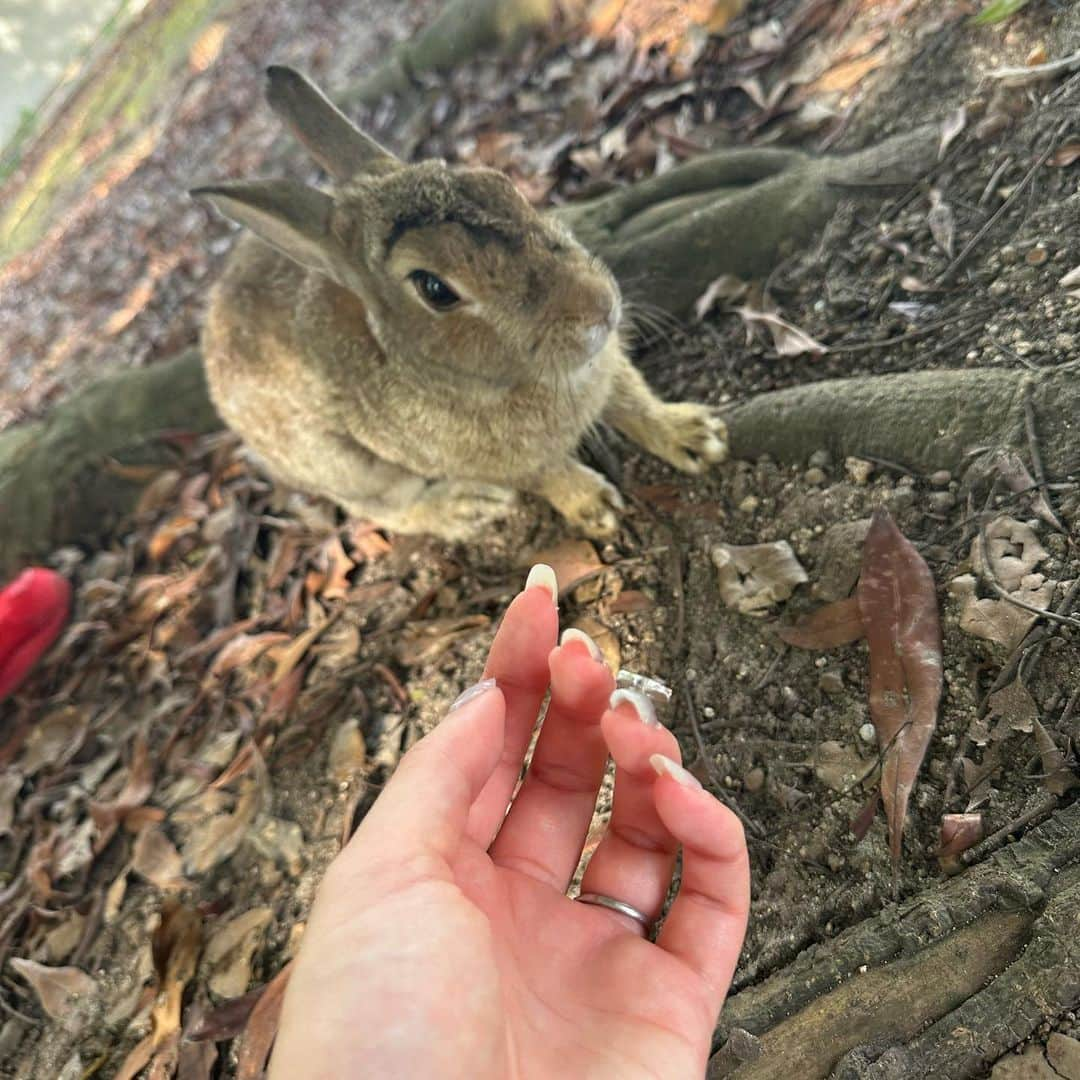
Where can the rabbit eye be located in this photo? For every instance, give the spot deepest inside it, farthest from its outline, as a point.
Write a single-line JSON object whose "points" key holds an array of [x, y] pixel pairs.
{"points": [[434, 290]]}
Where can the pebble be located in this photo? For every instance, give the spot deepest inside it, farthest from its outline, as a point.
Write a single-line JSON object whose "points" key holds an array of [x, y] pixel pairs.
{"points": [[831, 682], [754, 779], [749, 504], [815, 477], [820, 459], [941, 478], [867, 733], [941, 501], [859, 470]]}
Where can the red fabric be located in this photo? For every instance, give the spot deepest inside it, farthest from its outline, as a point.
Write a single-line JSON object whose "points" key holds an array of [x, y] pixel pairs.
{"points": [[33, 610]]}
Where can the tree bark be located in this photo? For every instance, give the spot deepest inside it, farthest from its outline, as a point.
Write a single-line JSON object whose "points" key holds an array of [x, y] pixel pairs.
{"points": [[938, 987]]}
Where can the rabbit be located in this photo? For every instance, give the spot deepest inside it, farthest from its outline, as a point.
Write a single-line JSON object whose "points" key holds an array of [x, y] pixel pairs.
{"points": [[421, 345]]}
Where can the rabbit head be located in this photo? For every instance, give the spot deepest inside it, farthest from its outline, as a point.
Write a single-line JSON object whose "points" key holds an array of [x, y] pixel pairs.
{"points": [[454, 268]]}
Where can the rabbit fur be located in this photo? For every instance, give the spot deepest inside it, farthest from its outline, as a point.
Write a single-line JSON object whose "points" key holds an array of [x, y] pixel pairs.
{"points": [[421, 344]]}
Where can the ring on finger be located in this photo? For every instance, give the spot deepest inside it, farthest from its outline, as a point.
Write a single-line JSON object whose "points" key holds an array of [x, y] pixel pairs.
{"points": [[612, 904]]}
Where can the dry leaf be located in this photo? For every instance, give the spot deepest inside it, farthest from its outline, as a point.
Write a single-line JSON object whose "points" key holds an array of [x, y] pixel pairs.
{"points": [[725, 289], [167, 534], [788, 339], [998, 620], [754, 577], [229, 951], [65, 993], [630, 602], [834, 624], [1016, 708], [1013, 551], [954, 123], [261, 1028], [898, 606], [1065, 155], [941, 222], [154, 858], [1058, 778], [348, 754], [11, 781], [423, 642], [958, 833], [604, 638], [216, 838], [572, 561], [1071, 278], [54, 740]]}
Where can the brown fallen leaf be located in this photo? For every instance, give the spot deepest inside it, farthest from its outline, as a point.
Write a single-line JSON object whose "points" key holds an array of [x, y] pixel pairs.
{"points": [[954, 123], [176, 944], [958, 833], [261, 1028], [787, 338], [630, 602], [1064, 155], [998, 620], [1058, 778], [423, 642], [154, 858], [348, 754], [754, 577], [168, 533], [136, 790], [1016, 709], [572, 561], [66, 994], [229, 951], [833, 624], [899, 612]]}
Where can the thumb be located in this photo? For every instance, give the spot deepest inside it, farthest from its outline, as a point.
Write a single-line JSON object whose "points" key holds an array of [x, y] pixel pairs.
{"points": [[425, 806]]}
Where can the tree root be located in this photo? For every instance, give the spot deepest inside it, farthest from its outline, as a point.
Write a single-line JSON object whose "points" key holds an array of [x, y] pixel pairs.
{"points": [[916, 975], [54, 484], [925, 420]]}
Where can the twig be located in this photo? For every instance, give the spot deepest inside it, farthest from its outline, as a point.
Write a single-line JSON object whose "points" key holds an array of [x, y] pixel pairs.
{"points": [[999, 838], [1036, 457], [907, 335], [750, 825], [1070, 707], [950, 271]]}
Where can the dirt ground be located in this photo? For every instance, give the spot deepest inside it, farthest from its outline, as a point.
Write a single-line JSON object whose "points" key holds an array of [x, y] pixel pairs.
{"points": [[244, 667]]}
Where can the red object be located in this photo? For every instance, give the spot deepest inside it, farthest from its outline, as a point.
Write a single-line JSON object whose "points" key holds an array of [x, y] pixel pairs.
{"points": [[33, 611]]}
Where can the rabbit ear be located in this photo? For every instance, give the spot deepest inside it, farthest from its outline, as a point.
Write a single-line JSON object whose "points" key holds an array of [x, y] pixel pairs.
{"points": [[293, 217], [340, 147]]}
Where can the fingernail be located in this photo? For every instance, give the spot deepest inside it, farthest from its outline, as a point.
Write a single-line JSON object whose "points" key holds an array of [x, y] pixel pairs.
{"points": [[542, 574], [572, 633], [664, 766], [644, 708], [473, 693]]}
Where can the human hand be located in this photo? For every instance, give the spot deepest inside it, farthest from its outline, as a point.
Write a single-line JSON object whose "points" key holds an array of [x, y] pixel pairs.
{"points": [[442, 943]]}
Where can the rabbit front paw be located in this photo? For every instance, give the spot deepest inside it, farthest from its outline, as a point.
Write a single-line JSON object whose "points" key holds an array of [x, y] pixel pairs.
{"points": [[585, 499], [453, 509], [691, 437]]}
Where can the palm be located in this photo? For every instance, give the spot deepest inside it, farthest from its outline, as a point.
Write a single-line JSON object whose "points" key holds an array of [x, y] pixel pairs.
{"points": [[437, 951]]}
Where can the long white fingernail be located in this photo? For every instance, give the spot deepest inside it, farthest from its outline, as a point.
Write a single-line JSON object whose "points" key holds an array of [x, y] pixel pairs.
{"points": [[644, 708], [664, 766], [473, 693], [572, 633], [542, 574]]}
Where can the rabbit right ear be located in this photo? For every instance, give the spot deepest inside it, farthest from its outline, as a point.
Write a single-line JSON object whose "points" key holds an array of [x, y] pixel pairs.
{"points": [[293, 217], [340, 147]]}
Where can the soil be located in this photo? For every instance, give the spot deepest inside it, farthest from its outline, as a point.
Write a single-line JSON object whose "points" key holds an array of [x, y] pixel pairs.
{"points": [[297, 738]]}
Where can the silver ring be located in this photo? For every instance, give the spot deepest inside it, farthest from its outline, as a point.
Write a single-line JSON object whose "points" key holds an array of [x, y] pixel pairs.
{"points": [[609, 902]]}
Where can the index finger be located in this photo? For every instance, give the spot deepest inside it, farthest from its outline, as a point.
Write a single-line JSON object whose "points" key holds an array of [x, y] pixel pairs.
{"points": [[518, 662]]}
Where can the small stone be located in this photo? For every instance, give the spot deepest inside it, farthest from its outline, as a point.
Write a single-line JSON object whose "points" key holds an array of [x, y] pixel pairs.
{"points": [[867, 733], [942, 501], [858, 470], [831, 682], [941, 478], [815, 477], [1064, 1055], [749, 504], [1031, 1065], [1008, 255], [820, 459], [1036, 256], [754, 779], [836, 862]]}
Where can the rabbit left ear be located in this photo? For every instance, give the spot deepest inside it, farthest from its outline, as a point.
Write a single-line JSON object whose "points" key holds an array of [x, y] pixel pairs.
{"points": [[291, 216], [331, 138]]}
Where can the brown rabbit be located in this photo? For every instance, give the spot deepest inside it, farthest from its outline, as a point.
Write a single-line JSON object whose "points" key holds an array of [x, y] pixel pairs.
{"points": [[422, 344]]}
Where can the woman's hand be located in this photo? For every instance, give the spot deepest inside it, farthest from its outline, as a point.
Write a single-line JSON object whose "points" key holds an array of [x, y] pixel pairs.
{"points": [[442, 943]]}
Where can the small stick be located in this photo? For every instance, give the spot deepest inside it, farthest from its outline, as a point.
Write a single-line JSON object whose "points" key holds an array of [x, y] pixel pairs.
{"points": [[751, 826], [950, 271], [999, 838], [1036, 457]]}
